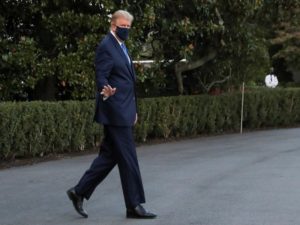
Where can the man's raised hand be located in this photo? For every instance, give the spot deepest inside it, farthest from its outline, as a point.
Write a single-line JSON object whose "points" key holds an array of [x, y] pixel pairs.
{"points": [[108, 91]]}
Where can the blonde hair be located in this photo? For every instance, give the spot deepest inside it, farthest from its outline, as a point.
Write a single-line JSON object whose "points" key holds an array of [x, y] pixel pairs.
{"points": [[122, 13]]}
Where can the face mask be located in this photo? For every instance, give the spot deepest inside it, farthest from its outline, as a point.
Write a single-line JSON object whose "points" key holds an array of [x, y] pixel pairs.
{"points": [[122, 33]]}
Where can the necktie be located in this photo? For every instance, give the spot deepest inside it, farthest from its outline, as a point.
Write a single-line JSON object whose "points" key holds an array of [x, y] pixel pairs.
{"points": [[125, 51]]}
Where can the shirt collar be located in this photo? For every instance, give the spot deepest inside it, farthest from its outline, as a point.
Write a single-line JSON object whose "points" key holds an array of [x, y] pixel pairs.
{"points": [[120, 42]]}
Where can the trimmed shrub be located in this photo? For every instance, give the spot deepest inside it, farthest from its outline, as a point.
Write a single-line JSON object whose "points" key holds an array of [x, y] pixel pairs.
{"points": [[30, 129], [40, 128]]}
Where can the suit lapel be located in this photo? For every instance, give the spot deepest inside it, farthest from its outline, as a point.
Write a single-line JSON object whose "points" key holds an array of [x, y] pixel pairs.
{"points": [[123, 56]]}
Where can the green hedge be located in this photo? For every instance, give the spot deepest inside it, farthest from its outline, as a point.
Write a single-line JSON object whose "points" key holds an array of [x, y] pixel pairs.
{"points": [[40, 128]]}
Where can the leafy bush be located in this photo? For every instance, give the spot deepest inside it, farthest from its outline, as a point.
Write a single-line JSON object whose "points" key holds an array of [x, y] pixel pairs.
{"points": [[40, 128]]}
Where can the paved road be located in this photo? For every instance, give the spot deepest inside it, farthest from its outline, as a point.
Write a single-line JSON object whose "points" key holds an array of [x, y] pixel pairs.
{"points": [[249, 179]]}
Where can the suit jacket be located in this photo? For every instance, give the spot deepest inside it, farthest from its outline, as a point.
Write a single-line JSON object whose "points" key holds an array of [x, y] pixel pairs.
{"points": [[113, 68]]}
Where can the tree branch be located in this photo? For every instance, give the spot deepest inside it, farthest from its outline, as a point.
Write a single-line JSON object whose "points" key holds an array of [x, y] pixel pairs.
{"points": [[208, 87], [217, 82]]}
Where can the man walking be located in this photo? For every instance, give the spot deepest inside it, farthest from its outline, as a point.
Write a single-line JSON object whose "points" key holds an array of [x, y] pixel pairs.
{"points": [[116, 109]]}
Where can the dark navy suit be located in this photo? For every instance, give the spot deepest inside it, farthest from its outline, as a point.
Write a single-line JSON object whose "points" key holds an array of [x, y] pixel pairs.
{"points": [[117, 114]]}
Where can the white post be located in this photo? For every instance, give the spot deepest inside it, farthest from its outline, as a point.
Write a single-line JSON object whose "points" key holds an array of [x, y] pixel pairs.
{"points": [[242, 108]]}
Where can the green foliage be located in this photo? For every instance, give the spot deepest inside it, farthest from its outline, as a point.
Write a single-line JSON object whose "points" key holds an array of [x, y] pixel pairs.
{"points": [[282, 21], [18, 66], [41, 39], [56, 39], [189, 29], [39, 128], [287, 37]]}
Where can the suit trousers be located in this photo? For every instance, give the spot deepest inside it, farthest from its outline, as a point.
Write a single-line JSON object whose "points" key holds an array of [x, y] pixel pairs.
{"points": [[118, 148]]}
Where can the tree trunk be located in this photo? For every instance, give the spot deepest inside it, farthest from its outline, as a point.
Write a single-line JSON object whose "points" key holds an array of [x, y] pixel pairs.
{"points": [[181, 67], [46, 89]]}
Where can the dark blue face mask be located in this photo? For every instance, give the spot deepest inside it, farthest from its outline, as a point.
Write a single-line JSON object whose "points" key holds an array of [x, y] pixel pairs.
{"points": [[122, 33]]}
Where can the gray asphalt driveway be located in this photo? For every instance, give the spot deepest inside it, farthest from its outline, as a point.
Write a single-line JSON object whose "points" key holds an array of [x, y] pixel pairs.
{"points": [[249, 179]]}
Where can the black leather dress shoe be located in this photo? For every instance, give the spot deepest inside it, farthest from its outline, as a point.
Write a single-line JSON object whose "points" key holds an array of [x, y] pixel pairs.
{"points": [[77, 201], [139, 213]]}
